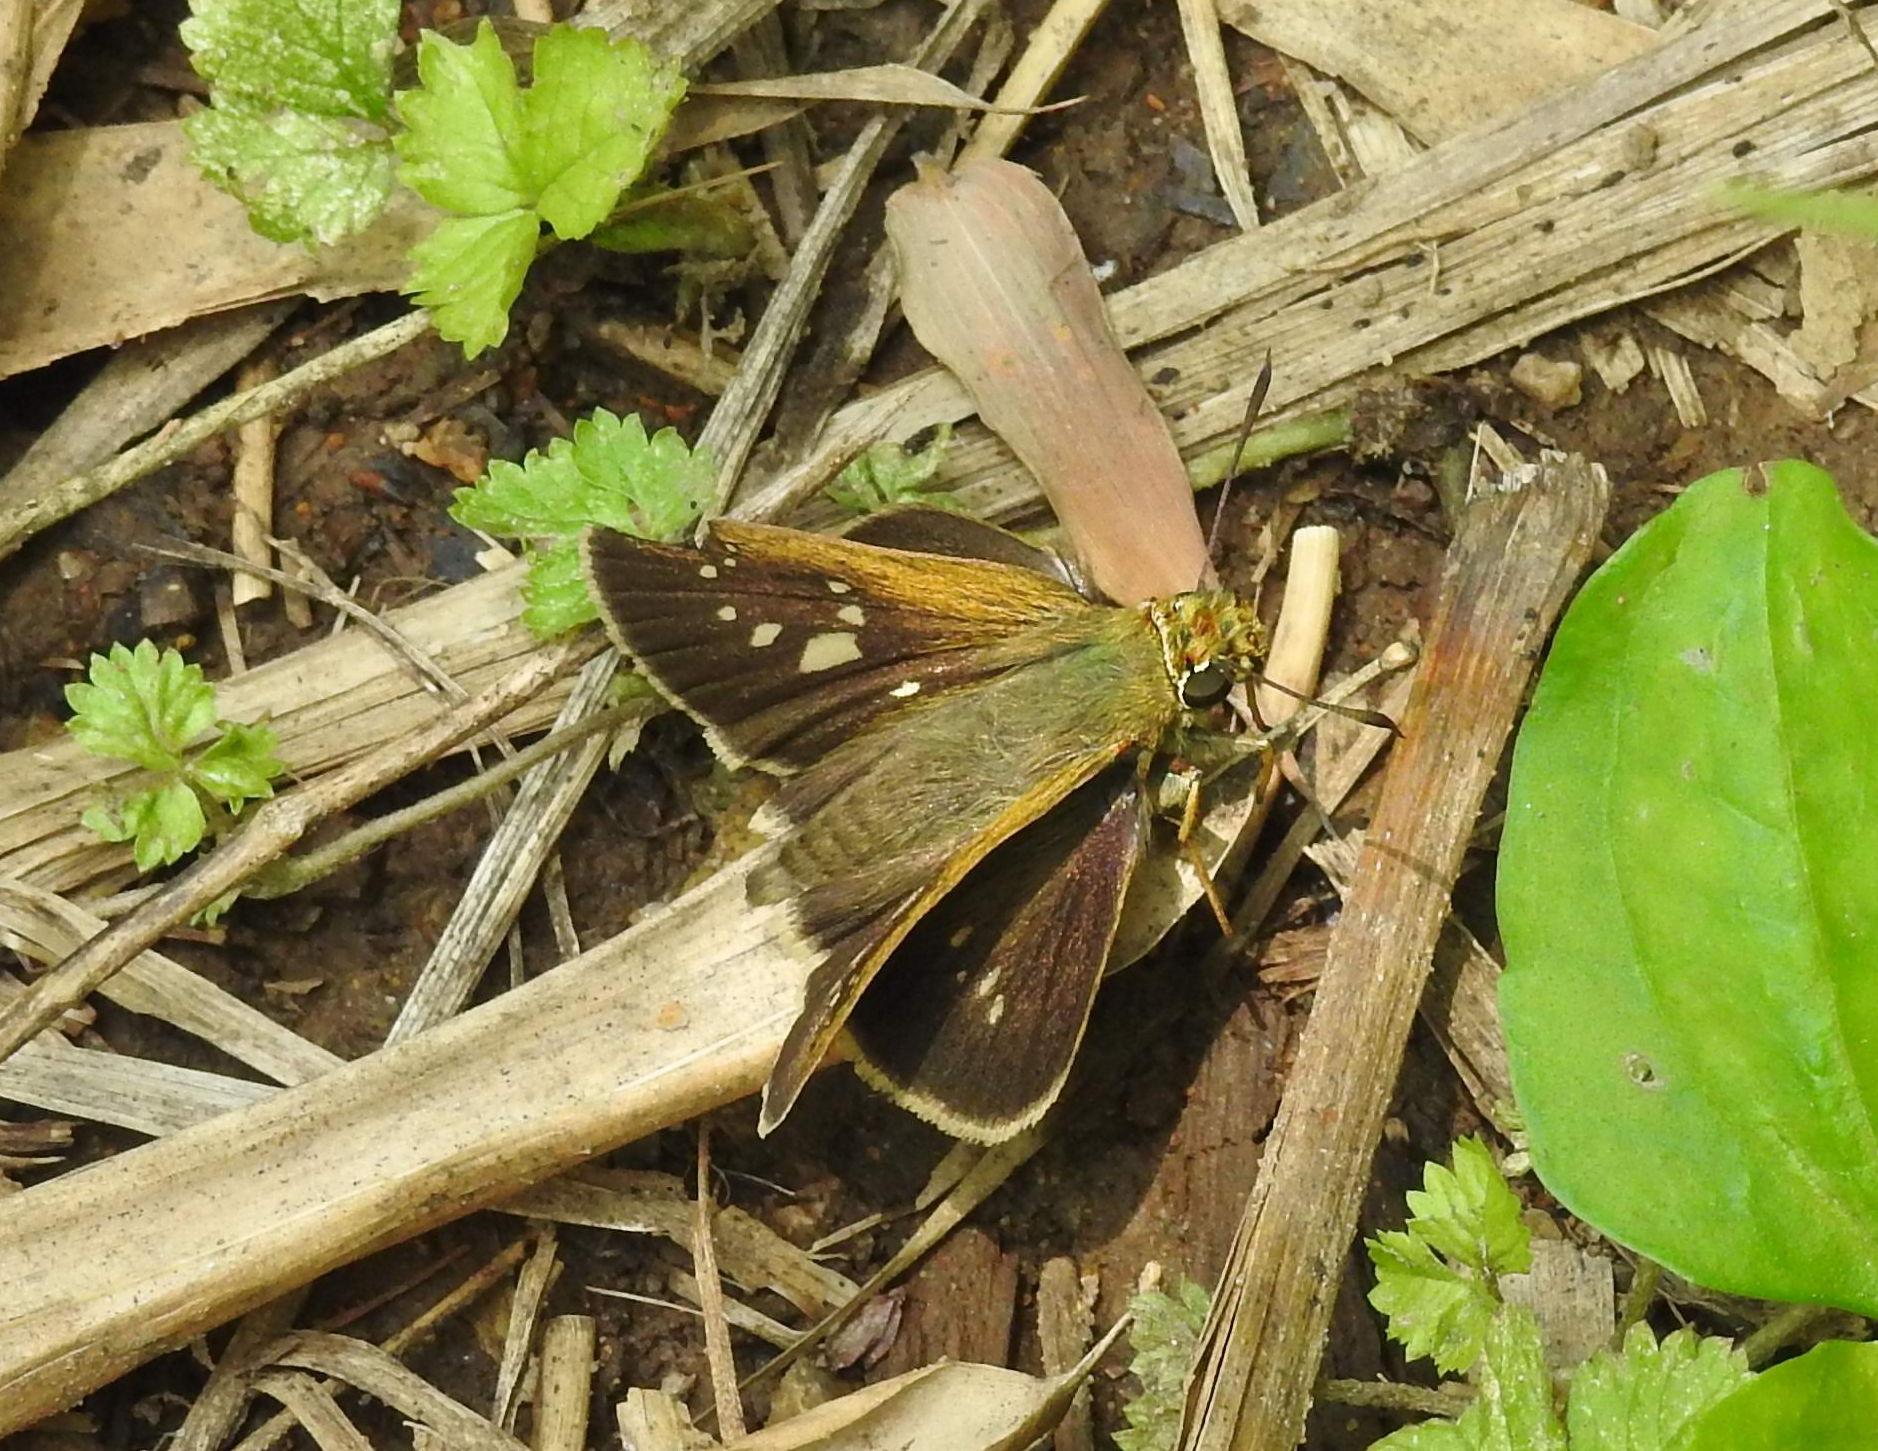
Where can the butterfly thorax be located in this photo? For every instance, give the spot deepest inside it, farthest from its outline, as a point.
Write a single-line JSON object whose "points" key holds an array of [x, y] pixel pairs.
{"points": [[1210, 640]]}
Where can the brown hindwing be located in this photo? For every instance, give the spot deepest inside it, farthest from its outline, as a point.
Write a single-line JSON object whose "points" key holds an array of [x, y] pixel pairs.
{"points": [[975, 1019]]}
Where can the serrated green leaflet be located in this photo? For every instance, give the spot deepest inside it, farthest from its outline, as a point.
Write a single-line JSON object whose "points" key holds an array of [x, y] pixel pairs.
{"points": [[147, 707], [292, 87], [469, 271], [461, 126], [1513, 1408], [555, 591], [504, 159], [1434, 1310], [301, 177], [1162, 1340], [322, 57], [1646, 1398], [163, 824], [1827, 1400], [238, 768], [592, 117], [1434, 1279], [1685, 892], [611, 473]]}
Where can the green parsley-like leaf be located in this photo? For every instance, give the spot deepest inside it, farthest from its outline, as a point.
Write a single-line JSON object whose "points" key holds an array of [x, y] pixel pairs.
{"points": [[1469, 1215], [1433, 1309], [469, 271], [163, 824], [240, 767], [886, 474], [301, 177], [1645, 1398], [1163, 1338], [1513, 1409], [297, 91], [146, 706], [141, 706], [479, 146], [608, 473]]}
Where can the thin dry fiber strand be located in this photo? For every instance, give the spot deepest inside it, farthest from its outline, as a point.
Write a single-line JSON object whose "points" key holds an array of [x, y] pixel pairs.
{"points": [[677, 1015]]}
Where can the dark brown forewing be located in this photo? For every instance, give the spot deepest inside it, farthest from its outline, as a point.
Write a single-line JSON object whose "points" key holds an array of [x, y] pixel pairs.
{"points": [[975, 1019], [783, 644], [888, 824], [940, 531]]}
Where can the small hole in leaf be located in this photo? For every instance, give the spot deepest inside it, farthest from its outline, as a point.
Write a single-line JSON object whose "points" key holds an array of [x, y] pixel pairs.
{"points": [[1641, 1071]]}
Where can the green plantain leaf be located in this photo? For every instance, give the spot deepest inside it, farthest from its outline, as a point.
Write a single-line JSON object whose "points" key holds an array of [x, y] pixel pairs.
{"points": [[1687, 894], [1827, 1400]]}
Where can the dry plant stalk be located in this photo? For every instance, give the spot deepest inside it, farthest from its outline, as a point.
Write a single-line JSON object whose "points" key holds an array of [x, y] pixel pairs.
{"points": [[725, 1398], [1515, 559], [254, 487]]}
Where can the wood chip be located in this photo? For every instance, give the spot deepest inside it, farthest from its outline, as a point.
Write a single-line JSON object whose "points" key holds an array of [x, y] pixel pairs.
{"points": [[1065, 1306], [539, 1273], [567, 1351], [1673, 368], [1616, 357], [1572, 1293]]}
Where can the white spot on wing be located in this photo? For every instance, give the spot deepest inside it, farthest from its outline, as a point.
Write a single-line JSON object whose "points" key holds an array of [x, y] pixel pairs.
{"points": [[851, 615], [996, 1011], [727, 613], [905, 690], [839, 586], [989, 984], [825, 652], [707, 571], [765, 634]]}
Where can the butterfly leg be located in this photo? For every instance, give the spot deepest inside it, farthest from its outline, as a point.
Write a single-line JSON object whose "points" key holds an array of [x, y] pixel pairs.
{"points": [[1193, 784]]}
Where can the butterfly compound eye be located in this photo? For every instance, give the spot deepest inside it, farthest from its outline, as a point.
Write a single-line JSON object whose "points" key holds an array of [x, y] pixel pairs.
{"points": [[1207, 686]]}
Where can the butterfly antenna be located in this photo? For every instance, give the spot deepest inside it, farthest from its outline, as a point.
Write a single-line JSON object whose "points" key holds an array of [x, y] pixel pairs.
{"points": [[1261, 385], [1348, 712]]}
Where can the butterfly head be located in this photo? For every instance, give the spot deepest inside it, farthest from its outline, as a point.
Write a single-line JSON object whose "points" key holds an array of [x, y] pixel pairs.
{"points": [[1210, 641]]}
